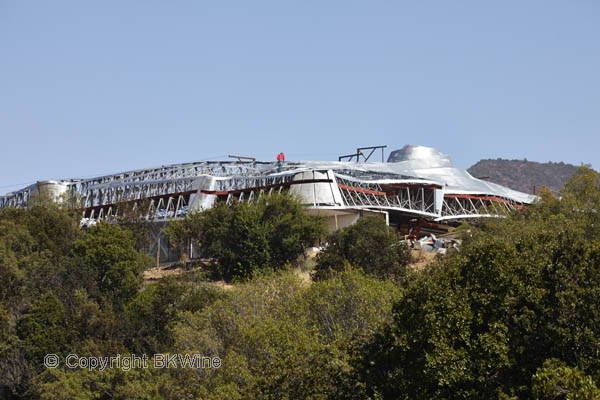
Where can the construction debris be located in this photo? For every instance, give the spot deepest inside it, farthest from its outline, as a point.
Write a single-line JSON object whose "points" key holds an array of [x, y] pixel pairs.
{"points": [[432, 244]]}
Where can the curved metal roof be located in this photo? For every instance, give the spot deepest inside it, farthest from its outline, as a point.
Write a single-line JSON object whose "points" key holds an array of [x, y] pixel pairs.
{"points": [[425, 163], [429, 163]]}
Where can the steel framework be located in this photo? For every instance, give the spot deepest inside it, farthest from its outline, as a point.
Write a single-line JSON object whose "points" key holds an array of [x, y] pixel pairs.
{"points": [[411, 198], [458, 206], [445, 193]]}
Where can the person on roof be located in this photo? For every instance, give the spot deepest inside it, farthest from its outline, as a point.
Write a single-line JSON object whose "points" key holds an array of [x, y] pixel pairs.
{"points": [[280, 161]]}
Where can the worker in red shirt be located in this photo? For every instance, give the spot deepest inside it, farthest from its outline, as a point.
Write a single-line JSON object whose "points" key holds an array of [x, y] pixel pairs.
{"points": [[280, 160]]}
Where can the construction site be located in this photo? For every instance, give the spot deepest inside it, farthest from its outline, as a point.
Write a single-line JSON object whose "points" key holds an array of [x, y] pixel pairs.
{"points": [[418, 190]]}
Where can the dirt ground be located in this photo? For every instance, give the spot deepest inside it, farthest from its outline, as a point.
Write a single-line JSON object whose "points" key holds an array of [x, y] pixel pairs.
{"points": [[420, 260], [155, 273]]}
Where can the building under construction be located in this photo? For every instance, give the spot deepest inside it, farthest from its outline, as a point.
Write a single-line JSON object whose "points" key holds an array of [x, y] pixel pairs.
{"points": [[417, 186]]}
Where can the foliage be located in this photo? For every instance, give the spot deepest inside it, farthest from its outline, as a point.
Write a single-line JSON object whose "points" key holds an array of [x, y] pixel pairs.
{"points": [[110, 265], [246, 238], [32, 243], [369, 244], [521, 290], [15, 249], [43, 327], [153, 311], [582, 190], [514, 314], [111, 383], [62, 288], [279, 339], [555, 380], [581, 197]]}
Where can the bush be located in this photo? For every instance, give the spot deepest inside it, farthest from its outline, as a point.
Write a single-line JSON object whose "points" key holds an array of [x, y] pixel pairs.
{"points": [[279, 339], [246, 238], [369, 244], [153, 311], [33, 244], [555, 380], [479, 325], [108, 264], [43, 328]]}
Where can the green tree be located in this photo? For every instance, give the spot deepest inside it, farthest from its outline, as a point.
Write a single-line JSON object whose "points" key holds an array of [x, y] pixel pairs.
{"points": [[555, 380], [369, 244], [582, 190], [581, 198], [112, 383], [480, 323], [33, 245], [108, 264], [245, 238], [16, 248], [152, 313], [43, 328], [280, 339]]}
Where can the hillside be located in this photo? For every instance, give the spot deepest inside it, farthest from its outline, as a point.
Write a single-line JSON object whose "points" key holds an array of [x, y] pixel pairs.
{"points": [[522, 175], [358, 321]]}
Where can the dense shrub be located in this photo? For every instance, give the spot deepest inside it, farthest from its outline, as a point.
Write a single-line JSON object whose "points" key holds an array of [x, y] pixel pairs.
{"points": [[62, 288], [555, 380], [246, 238], [368, 244], [520, 291], [152, 313], [109, 264], [43, 328], [280, 339]]}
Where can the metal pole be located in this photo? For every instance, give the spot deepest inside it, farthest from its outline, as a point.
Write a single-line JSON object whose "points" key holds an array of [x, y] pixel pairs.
{"points": [[158, 252]]}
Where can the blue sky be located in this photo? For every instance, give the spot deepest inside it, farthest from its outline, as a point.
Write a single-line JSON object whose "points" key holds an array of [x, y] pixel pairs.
{"points": [[89, 88]]}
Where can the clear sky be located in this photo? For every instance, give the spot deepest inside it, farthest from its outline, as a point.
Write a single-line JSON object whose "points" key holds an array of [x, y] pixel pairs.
{"points": [[95, 87]]}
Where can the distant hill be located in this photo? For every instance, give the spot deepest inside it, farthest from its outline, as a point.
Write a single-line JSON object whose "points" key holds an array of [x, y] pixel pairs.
{"points": [[522, 174]]}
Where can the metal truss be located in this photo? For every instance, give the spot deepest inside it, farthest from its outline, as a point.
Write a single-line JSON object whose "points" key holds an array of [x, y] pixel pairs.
{"points": [[359, 153], [249, 196], [16, 199], [138, 184], [174, 172], [156, 209], [411, 198], [251, 183], [119, 192], [171, 198], [456, 206], [134, 185], [168, 192]]}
